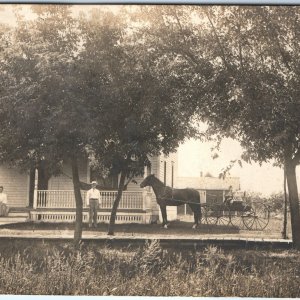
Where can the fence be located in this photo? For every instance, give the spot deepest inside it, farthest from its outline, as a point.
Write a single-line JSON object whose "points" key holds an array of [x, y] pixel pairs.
{"points": [[66, 199]]}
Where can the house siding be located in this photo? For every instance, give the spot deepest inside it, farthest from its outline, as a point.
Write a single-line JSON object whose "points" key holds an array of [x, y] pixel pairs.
{"points": [[168, 161], [16, 186], [211, 189], [64, 181]]}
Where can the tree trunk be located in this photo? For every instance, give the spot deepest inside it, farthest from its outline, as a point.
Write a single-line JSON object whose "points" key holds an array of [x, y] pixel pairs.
{"points": [[31, 186], [116, 204], [44, 176], [290, 168], [284, 230], [78, 201]]}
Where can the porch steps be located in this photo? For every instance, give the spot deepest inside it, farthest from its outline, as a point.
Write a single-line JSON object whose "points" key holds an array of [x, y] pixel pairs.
{"points": [[12, 220], [15, 217], [18, 214]]}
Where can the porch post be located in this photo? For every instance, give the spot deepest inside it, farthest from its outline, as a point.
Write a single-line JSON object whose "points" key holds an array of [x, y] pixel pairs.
{"points": [[147, 206], [35, 192], [144, 197]]}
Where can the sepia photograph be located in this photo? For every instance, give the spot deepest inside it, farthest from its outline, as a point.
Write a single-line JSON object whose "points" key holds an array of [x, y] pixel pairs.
{"points": [[150, 150]]}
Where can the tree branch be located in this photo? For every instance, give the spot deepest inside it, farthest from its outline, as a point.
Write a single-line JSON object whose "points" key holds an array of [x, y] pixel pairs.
{"points": [[276, 38], [218, 41]]}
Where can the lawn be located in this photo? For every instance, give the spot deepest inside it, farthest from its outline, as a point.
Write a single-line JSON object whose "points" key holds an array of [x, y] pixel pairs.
{"points": [[37, 267], [179, 228]]}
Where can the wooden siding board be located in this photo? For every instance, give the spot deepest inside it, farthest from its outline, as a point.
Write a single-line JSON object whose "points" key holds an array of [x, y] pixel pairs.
{"points": [[15, 186]]}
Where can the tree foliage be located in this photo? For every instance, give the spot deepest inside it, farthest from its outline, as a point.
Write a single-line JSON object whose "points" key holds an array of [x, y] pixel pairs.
{"points": [[239, 68], [76, 87], [120, 86]]}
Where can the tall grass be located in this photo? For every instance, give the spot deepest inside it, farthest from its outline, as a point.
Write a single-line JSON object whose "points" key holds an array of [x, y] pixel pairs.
{"points": [[48, 269]]}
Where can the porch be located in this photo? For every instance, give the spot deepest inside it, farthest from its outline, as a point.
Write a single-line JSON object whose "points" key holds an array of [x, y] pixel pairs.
{"points": [[57, 206]]}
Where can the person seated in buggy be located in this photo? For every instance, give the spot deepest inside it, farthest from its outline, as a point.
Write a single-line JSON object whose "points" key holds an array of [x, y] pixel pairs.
{"points": [[228, 195], [235, 201]]}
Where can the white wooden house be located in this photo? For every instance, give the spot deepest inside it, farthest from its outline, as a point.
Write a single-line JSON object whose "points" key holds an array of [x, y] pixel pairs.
{"points": [[211, 189], [57, 203]]}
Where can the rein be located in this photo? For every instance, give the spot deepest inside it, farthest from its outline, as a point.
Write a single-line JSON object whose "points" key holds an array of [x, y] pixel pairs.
{"points": [[185, 202]]}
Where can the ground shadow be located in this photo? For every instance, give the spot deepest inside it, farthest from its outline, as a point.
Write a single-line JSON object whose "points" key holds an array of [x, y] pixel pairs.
{"points": [[180, 228]]}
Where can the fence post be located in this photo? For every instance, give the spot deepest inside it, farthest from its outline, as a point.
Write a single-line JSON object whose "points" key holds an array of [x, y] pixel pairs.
{"points": [[35, 192]]}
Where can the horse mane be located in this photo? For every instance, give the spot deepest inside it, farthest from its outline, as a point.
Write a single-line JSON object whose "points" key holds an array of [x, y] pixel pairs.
{"points": [[158, 180]]}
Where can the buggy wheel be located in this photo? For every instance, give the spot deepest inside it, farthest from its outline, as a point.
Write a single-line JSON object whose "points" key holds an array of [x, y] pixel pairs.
{"points": [[224, 215], [216, 214], [257, 218], [236, 219]]}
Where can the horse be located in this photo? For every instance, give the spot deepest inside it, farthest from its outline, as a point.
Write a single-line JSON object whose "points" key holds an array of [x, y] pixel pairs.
{"points": [[167, 196]]}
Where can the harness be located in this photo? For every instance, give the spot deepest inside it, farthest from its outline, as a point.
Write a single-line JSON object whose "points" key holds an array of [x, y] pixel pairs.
{"points": [[168, 194]]}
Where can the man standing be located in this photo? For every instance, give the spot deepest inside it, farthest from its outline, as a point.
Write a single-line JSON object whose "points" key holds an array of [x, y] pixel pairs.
{"points": [[3, 203], [93, 201]]}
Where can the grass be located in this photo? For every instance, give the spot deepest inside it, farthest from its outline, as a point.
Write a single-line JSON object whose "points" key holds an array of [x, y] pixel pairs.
{"points": [[58, 269]]}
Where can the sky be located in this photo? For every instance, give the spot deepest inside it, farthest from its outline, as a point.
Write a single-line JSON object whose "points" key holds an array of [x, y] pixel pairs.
{"points": [[195, 157]]}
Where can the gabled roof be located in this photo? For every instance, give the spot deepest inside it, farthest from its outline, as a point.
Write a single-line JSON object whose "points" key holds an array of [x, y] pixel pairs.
{"points": [[208, 183]]}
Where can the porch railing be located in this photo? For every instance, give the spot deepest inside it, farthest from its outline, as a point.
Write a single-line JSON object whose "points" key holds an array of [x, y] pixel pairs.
{"points": [[66, 199]]}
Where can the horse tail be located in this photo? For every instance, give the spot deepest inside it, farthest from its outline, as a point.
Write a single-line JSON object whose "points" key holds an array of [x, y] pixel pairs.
{"points": [[197, 196]]}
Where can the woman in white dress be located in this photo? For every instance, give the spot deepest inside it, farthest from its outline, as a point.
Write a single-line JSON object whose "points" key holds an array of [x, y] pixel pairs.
{"points": [[3, 203]]}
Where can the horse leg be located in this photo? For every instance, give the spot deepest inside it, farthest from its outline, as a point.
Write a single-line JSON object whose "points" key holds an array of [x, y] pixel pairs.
{"points": [[197, 215], [163, 210]]}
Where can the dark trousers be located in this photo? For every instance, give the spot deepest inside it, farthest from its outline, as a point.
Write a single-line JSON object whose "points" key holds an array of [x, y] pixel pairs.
{"points": [[93, 212]]}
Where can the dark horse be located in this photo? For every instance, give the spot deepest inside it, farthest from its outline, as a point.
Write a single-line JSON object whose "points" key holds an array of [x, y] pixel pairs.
{"points": [[167, 196]]}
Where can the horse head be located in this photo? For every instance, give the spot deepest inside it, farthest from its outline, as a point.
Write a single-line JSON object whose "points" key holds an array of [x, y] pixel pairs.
{"points": [[147, 181]]}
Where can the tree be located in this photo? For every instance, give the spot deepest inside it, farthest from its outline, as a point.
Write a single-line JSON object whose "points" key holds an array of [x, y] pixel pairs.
{"points": [[239, 66], [260, 62], [77, 88], [285, 211], [42, 119], [141, 115]]}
